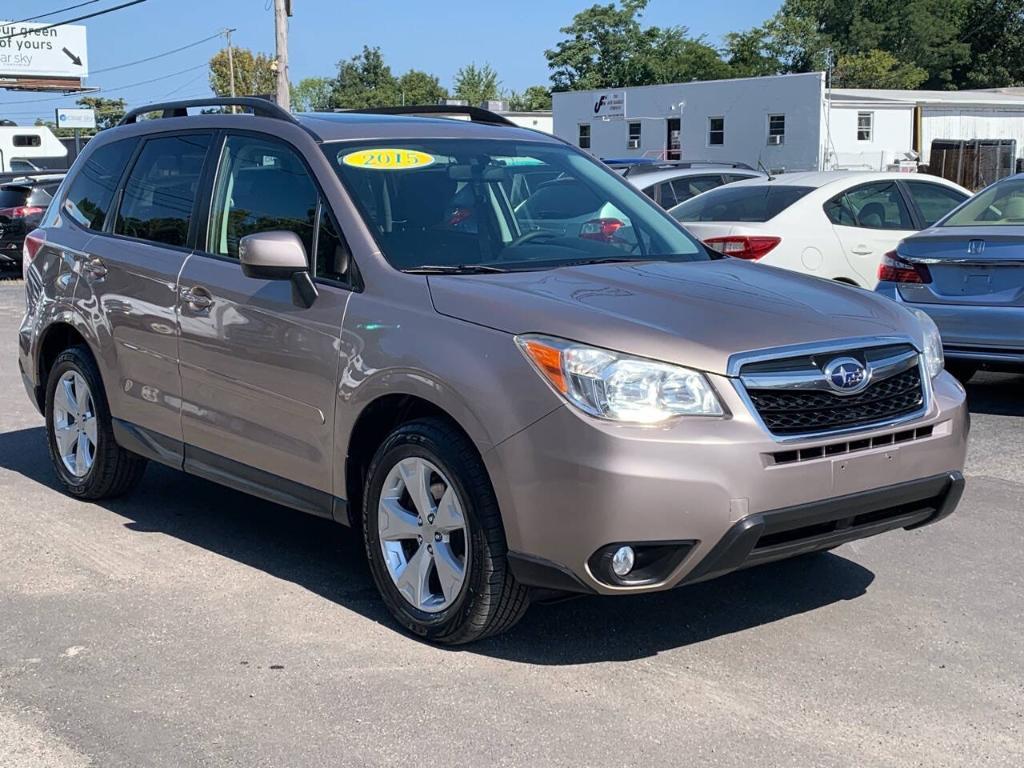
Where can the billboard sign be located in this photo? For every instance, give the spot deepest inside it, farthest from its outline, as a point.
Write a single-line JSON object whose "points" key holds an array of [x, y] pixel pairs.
{"points": [[75, 118], [39, 50]]}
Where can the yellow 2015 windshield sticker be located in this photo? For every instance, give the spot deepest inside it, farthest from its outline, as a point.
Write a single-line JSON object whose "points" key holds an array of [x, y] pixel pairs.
{"points": [[388, 159]]}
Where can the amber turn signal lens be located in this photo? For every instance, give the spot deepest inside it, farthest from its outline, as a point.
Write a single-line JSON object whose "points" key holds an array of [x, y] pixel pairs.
{"points": [[548, 361]]}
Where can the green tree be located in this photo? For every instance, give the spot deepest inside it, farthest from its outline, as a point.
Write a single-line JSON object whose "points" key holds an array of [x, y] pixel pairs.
{"points": [[994, 29], [677, 58], [365, 81], [920, 35], [536, 98], [605, 47], [876, 69], [749, 55], [312, 94], [417, 87], [108, 111], [608, 47], [254, 73], [476, 84]]}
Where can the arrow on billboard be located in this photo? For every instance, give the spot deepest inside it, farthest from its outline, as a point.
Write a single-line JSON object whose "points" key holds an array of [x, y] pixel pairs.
{"points": [[70, 55]]}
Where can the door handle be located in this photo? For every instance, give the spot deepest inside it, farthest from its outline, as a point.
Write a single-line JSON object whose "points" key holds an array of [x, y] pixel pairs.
{"points": [[862, 250], [197, 297]]}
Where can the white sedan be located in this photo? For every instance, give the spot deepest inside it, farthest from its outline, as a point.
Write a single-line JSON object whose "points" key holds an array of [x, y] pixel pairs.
{"points": [[832, 224]]}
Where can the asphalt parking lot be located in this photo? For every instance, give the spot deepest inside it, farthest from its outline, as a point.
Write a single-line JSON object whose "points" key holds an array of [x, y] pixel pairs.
{"points": [[190, 625]]}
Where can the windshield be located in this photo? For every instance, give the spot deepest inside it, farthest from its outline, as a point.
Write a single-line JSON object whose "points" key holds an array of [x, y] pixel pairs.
{"points": [[495, 205], [758, 202], [1002, 204]]}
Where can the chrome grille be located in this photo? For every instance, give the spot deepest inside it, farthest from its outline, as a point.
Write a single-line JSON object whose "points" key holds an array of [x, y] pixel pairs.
{"points": [[793, 396]]}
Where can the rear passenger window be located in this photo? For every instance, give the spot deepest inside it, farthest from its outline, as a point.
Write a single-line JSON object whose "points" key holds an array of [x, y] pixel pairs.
{"points": [[686, 188], [161, 189], [934, 200], [262, 186], [878, 205], [92, 189]]}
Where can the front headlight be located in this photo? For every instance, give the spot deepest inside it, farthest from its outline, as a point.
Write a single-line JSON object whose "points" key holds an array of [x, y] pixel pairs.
{"points": [[611, 385], [934, 360]]}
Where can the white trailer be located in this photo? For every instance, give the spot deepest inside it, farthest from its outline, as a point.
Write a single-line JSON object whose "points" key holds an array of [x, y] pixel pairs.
{"points": [[21, 146]]}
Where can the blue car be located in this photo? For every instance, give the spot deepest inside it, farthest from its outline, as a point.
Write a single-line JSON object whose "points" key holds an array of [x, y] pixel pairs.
{"points": [[967, 273]]}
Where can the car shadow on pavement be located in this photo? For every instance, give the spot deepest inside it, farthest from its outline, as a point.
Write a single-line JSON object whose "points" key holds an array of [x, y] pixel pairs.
{"points": [[327, 559], [996, 394]]}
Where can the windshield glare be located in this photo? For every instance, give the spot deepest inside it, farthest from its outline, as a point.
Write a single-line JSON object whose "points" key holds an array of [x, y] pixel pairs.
{"points": [[1002, 204], [757, 202], [503, 204]]}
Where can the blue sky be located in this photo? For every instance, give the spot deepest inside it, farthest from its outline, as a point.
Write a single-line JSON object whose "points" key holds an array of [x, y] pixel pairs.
{"points": [[426, 34]]}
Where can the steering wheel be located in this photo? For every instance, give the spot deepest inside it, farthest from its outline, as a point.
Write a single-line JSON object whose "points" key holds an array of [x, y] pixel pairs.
{"points": [[533, 234]]}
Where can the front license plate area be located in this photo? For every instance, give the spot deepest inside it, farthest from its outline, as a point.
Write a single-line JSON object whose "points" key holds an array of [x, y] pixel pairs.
{"points": [[852, 474]]}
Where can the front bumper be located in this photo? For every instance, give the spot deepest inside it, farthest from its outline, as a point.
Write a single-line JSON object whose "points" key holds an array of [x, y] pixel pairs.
{"points": [[570, 485], [986, 334]]}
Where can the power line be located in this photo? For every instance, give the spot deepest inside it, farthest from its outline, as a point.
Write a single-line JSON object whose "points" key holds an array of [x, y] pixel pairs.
{"points": [[156, 56], [106, 90], [68, 21], [54, 13]]}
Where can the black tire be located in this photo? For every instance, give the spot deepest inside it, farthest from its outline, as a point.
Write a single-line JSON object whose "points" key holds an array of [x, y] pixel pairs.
{"points": [[114, 471], [964, 371], [491, 601]]}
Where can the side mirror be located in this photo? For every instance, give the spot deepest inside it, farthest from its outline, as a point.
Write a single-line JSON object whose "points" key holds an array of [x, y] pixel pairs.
{"points": [[278, 255]]}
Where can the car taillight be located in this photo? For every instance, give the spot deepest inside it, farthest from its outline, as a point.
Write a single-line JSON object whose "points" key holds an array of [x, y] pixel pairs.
{"points": [[751, 247], [893, 269], [34, 240], [21, 211], [602, 230]]}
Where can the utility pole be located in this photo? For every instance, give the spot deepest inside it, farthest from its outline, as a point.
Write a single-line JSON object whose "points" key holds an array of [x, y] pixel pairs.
{"points": [[282, 10], [231, 60]]}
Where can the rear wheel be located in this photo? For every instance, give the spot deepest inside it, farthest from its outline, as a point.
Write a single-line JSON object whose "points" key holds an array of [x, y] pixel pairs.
{"points": [[962, 370], [434, 538], [89, 463]]}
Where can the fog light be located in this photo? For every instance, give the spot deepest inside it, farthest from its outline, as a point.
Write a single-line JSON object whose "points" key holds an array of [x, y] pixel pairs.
{"points": [[622, 561]]}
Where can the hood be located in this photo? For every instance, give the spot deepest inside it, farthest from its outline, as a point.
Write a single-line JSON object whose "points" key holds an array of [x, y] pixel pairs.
{"points": [[695, 314]]}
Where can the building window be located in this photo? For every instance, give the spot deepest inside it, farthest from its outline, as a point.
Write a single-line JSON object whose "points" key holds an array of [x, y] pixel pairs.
{"points": [[865, 125], [716, 131], [634, 136], [776, 129], [584, 141]]}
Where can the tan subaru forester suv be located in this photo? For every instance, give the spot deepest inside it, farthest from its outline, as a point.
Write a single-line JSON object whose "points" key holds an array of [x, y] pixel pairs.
{"points": [[512, 373]]}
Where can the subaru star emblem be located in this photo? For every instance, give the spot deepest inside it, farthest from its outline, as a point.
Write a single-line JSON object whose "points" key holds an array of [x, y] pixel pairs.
{"points": [[846, 375]]}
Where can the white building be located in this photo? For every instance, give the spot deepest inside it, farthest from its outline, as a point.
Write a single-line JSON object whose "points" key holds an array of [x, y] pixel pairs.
{"points": [[539, 121], [788, 122]]}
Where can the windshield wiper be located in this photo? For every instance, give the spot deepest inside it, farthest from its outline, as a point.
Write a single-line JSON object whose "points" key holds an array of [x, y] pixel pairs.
{"points": [[454, 269], [606, 260]]}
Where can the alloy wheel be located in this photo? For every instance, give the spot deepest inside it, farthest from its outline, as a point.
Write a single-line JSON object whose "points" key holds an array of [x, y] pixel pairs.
{"points": [[74, 423], [423, 535]]}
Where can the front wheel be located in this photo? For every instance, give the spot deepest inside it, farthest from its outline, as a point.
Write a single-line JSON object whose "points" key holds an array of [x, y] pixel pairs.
{"points": [[434, 538], [90, 464]]}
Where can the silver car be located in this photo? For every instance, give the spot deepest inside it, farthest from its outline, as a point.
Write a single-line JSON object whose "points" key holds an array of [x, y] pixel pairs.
{"points": [[967, 272]]}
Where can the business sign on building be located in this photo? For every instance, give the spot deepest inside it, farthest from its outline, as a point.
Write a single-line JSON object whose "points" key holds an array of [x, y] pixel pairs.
{"points": [[611, 104], [75, 118], [39, 50]]}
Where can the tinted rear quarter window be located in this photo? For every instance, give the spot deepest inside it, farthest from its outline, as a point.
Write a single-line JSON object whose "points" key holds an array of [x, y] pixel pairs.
{"points": [[93, 186], [161, 189], [730, 203]]}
